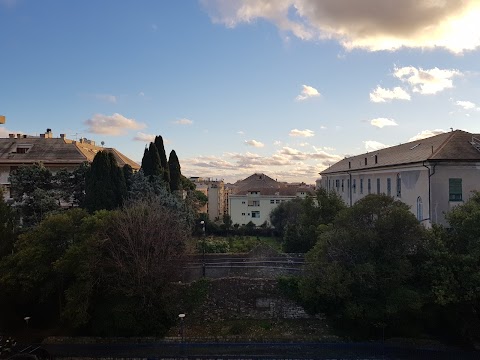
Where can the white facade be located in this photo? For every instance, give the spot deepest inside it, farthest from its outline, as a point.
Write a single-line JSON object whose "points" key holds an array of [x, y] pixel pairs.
{"points": [[419, 173], [256, 207]]}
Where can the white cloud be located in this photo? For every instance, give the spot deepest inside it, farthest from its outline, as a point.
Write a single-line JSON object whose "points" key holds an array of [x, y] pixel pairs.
{"points": [[430, 81], [4, 132], [426, 133], [144, 137], [277, 143], [106, 97], [183, 122], [381, 122], [383, 95], [304, 144], [241, 132], [367, 24], [466, 105], [301, 133], [254, 143], [141, 94], [371, 145], [115, 124], [307, 93], [286, 164]]}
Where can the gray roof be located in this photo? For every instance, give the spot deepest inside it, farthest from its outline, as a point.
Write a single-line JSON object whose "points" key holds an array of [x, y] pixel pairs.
{"points": [[54, 151], [451, 146], [267, 186]]}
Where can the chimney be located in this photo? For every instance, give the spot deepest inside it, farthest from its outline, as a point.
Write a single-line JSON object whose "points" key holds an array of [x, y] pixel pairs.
{"points": [[11, 136], [62, 136], [42, 136], [19, 136]]}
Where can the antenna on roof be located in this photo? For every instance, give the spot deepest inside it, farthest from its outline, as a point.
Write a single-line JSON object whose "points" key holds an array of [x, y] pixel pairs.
{"points": [[102, 143], [451, 129]]}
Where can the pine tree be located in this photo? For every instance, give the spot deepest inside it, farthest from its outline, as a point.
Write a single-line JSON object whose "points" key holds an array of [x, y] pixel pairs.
{"points": [[163, 158], [175, 173]]}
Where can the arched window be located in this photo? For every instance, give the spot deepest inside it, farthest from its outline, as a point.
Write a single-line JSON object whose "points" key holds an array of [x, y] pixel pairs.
{"points": [[419, 209]]}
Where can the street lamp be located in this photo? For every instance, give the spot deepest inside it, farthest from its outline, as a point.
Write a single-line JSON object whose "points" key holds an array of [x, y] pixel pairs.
{"points": [[182, 320], [203, 248]]}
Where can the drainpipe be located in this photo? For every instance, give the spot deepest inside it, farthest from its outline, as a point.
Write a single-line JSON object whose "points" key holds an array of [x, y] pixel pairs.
{"points": [[430, 174]]}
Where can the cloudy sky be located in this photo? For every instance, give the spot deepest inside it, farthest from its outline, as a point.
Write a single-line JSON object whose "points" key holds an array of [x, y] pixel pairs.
{"points": [[284, 87]]}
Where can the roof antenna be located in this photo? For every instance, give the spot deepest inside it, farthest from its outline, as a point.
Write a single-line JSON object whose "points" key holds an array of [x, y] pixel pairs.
{"points": [[451, 129]]}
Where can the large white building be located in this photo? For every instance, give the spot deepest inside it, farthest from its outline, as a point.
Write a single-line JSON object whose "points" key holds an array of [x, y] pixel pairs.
{"points": [[254, 198], [430, 175]]}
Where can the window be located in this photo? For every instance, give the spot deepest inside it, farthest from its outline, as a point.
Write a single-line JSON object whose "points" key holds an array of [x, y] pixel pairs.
{"points": [[328, 184], [277, 201], [369, 186], [365, 161], [378, 186], [337, 184], [354, 186], [243, 202], [256, 214], [349, 165], [376, 159], [343, 185], [361, 186], [455, 189], [243, 214], [399, 186], [22, 150], [272, 201], [419, 209], [389, 187]]}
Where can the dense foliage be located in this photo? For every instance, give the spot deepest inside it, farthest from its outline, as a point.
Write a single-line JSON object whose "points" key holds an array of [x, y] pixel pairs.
{"points": [[298, 221]]}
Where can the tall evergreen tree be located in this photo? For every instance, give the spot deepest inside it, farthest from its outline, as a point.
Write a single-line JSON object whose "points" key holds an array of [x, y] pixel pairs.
{"points": [[147, 163], [155, 159], [163, 158], [175, 173], [105, 183]]}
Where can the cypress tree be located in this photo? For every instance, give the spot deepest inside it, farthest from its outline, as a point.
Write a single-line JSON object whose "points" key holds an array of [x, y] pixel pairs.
{"points": [[155, 160], [175, 173], [163, 158], [147, 163], [105, 185]]}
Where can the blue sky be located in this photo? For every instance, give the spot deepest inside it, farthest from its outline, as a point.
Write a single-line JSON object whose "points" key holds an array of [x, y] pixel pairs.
{"points": [[284, 87]]}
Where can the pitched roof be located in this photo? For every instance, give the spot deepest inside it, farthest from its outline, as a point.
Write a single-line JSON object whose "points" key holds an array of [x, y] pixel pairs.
{"points": [[267, 186], [455, 145], [54, 151]]}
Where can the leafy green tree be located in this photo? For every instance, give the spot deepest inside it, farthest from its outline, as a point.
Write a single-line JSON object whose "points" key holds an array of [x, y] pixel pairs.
{"points": [[105, 183], [34, 192], [187, 184], [285, 213], [451, 271], [175, 173], [28, 272], [8, 223], [361, 272]]}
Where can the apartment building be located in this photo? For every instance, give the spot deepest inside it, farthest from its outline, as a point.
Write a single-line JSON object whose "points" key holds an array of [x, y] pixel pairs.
{"points": [[54, 153], [254, 198]]}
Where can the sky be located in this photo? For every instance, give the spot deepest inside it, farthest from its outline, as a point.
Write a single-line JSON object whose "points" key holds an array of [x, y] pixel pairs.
{"points": [[282, 87]]}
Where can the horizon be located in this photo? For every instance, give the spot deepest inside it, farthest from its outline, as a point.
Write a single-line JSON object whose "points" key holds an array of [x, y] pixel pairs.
{"points": [[281, 88]]}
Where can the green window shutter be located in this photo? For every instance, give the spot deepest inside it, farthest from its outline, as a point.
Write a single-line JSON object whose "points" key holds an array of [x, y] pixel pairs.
{"points": [[455, 189]]}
